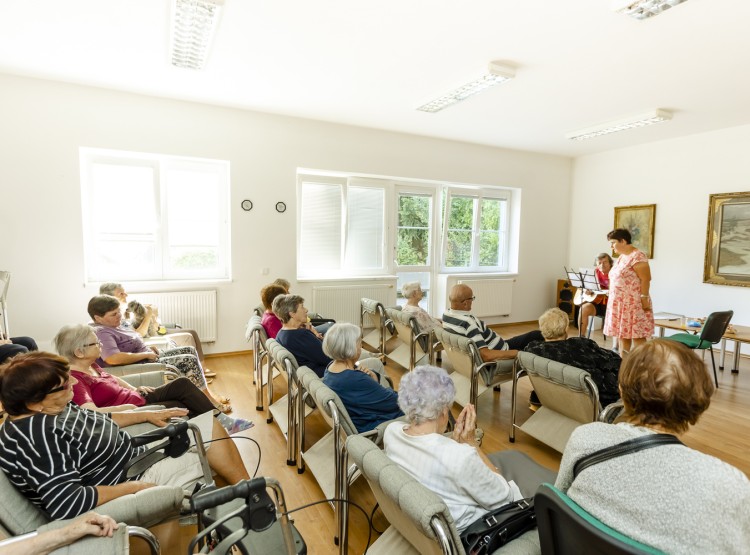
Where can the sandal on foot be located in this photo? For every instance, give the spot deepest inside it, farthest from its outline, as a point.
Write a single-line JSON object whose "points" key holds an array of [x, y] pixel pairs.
{"points": [[226, 408], [209, 373]]}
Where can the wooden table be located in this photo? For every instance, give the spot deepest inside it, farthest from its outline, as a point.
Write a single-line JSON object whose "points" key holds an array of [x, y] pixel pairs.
{"points": [[741, 335]]}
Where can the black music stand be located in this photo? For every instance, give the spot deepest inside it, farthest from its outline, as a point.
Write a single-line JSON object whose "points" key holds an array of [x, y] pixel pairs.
{"points": [[583, 281]]}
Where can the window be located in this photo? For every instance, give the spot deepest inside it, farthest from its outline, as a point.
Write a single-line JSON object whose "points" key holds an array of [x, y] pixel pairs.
{"points": [[475, 237], [341, 227], [152, 217]]}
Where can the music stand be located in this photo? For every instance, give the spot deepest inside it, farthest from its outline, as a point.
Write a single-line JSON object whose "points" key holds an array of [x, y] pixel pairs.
{"points": [[582, 281]]}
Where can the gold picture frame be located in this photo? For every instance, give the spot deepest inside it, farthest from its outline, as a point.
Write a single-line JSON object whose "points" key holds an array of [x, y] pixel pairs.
{"points": [[639, 221], [727, 260]]}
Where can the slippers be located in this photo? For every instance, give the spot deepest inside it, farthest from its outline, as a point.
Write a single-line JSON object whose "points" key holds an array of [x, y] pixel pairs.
{"points": [[226, 408], [209, 373]]}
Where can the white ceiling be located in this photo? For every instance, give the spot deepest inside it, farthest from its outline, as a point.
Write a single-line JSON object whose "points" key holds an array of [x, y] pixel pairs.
{"points": [[372, 63]]}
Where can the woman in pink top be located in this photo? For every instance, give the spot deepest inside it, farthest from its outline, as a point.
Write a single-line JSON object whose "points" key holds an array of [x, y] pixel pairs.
{"points": [[270, 321]]}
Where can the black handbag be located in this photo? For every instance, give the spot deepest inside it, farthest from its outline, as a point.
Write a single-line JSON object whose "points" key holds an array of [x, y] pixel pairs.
{"points": [[498, 527]]}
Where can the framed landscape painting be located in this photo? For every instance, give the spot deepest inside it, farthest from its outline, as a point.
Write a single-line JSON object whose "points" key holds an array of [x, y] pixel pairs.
{"points": [[639, 221], [728, 240]]}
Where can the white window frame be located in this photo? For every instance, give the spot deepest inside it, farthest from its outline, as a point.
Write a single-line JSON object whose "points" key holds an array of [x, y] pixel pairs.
{"points": [[477, 194], [160, 272]]}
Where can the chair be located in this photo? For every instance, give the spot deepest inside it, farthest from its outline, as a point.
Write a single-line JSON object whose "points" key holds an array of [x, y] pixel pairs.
{"points": [[568, 395], [255, 333], [284, 410], [420, 520], [711, 334], [410, 351], [566, 529], [469, 367], [372, 313], [4, 284], [327, 458], [118, 544]]}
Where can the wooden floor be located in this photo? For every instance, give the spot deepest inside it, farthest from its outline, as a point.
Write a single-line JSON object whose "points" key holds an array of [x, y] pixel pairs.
{"points": [[720, 433]]}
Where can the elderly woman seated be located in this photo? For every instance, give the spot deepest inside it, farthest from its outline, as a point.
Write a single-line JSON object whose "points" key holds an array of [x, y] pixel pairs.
{"points": [[671, 497], [121, 345], [68, 460], [413, 293], [470, 482], [602, 364], [269, 320], [357, 385], [97, 390], [303, 340]]}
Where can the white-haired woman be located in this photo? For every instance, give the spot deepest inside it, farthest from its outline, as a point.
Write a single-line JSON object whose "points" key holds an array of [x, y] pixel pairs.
{"points": [[470, 482], [358, 383], [413, 293]]}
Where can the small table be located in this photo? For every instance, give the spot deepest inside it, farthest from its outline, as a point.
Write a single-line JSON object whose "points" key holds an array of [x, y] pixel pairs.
{"points": [[741, 335]]}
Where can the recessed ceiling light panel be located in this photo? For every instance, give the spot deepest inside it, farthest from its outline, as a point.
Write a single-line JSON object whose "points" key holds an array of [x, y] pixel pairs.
{"points": [[193, 27], [497, 73], [642, 120], [643, 9]]}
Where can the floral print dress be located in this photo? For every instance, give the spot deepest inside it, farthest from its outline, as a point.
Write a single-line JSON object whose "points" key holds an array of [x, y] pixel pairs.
{"points": [[625, 315]]}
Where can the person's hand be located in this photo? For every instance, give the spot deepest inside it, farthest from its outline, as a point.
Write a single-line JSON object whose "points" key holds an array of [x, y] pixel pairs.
{"points": [[153, 355], [464, 431], [646, 304], [4, 341], [144, 389], [90, 524], [161, 418], [139, 485]]}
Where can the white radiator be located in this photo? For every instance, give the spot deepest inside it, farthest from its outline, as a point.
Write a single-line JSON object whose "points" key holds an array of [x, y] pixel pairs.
{"points": [[494, 297], [342, 302], [194, 310]]}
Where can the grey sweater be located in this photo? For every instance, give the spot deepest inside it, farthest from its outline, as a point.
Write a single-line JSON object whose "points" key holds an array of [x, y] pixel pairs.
{"points": [[670, 497]]}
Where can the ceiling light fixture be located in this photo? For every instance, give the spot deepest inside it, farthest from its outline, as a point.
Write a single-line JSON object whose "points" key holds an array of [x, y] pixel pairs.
{"points": [[643, 9], [649, 118], [193, 26], [497, 73]]}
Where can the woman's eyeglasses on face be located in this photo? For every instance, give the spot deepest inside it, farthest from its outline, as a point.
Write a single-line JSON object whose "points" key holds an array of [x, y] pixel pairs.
{"points": [[92, 344], [60, 388]]}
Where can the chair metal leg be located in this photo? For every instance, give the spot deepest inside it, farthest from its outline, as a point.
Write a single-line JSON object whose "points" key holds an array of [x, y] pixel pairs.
{"points": [[713, 363]]}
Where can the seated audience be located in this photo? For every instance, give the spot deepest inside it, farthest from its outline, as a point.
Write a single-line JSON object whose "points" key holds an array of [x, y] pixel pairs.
{"points": [[602, 364], [143, 323], [671, 497], [458, 319], [413, 293], [470, 482], [304, 342], [97, 390], [68, 460], [15, 346], [90, 524], [316, 321], [270, 321], [367, 402], [122, 345], [281, 282]]}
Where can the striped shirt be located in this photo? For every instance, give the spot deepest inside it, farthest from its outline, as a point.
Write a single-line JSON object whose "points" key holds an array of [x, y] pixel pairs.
{"points": [[56, 461], [463, 323]]}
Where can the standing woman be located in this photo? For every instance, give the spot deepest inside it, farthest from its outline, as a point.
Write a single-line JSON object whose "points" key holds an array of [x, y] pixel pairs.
{"points": [[630, 316]]}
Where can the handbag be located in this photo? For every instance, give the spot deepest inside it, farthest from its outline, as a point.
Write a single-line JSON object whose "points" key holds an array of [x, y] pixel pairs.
{"points": [[498, 527]]}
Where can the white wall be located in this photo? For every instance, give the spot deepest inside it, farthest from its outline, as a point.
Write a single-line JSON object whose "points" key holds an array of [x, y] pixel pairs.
{"points": [[678, 176], [42, 125]]}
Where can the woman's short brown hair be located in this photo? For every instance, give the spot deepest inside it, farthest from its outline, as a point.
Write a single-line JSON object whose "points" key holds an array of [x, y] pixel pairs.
{"points": [[664, 383], [28, 378], [101, 304], [619, 234], [269, 293]]}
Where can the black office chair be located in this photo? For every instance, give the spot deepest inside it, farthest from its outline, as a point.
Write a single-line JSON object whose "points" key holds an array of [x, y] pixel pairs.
{"points": [[566, 529], [712, 332]]}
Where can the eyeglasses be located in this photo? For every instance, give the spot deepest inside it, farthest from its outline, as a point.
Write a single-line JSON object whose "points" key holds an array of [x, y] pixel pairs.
{"points": [[60, 388], [469, 299], [92, 344]]}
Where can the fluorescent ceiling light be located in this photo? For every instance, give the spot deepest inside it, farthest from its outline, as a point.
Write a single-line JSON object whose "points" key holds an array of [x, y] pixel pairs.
{"points": [[649, 118], [497, 73], [193, 27], [642, 9]]}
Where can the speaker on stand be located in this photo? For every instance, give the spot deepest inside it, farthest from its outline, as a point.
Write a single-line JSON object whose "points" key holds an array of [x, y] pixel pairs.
{"points": [[565, 294]]}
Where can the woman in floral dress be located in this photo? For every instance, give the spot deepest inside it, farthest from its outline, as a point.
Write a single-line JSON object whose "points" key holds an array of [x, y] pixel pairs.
{"points": [[630, 316]]}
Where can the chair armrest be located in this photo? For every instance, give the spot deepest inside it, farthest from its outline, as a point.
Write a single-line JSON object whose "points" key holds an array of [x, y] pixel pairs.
{"points": [[611, 412], [146, 507], [127, 369], [150, 379], [90, 545]]}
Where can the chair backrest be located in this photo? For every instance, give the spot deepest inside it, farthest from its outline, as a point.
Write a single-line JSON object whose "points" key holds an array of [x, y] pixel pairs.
{"points": [[715, 326], [18, 515], [566, 529], [282, 358], [461, 351], [255, 333], [329, 403], [562, 388], [4, 284], [407, 330], [418, 514]]}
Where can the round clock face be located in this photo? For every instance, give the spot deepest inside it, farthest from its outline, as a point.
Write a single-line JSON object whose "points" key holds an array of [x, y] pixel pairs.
{"points": [[247, 205], [280, 207]]}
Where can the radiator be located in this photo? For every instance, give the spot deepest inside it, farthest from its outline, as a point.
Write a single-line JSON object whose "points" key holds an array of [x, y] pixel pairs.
{"points": [[342, 302], [194, 310], [494, 297]]}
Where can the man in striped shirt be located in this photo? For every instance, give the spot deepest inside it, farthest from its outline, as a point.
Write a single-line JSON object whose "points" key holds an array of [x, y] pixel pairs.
{"points": [[458, 319]]}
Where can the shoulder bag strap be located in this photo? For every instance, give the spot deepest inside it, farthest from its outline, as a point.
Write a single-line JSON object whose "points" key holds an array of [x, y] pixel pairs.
{"points": [[630, 446]]}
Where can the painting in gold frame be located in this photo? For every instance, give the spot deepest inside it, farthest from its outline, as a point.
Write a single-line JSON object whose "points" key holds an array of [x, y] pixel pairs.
{"points": [[639, 221], [727, 259]]}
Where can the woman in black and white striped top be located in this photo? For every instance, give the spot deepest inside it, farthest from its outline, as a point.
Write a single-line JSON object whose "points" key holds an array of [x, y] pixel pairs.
{"points": [[68, 460]]}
